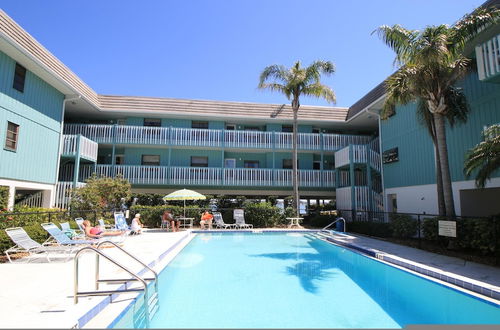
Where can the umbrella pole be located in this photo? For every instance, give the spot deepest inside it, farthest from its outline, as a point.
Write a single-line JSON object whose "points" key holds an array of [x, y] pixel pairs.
{"points": [[184, 207]]}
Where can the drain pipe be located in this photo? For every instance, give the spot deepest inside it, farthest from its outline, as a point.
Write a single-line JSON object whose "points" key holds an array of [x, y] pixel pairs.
{"points": [[381, 161], [59, 151]]}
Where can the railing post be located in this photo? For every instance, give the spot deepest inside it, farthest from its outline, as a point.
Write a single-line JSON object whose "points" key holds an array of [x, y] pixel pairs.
{"points": [[419, 230], [113, 150], [273, 172], [76, 170], [353, 179], [369, 178], [223, 145]]}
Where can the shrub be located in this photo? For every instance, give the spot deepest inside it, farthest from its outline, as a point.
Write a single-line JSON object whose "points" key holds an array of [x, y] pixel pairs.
{"points": [[148, 199], [151, 215], [264, 215], [403, 226], [430, 229], [4, 198], [320, 221]]}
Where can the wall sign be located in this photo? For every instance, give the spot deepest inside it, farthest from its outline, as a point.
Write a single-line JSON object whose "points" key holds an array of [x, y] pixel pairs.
{"points": [[447, 228], [390, 156]]}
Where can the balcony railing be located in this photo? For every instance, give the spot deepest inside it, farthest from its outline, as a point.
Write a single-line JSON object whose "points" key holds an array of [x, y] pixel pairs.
{"points": [[88, 148], [488, 58], [204, 176], [359, 155], [173, 136]]}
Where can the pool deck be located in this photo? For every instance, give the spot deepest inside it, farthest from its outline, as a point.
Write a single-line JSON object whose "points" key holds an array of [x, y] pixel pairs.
{"points": [[39, 294]]}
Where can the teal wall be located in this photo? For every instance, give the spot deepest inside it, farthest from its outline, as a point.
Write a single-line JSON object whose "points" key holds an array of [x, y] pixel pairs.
{"points": [[182, 157], [416, 152], [38, 112]]}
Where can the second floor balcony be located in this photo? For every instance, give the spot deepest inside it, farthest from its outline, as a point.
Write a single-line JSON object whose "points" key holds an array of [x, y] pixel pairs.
{"points": [[193, 137], [74, 145], [204, 176]]}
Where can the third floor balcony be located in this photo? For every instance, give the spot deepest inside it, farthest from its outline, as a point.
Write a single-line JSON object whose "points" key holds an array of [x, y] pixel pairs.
{"points": [[193, 137]]}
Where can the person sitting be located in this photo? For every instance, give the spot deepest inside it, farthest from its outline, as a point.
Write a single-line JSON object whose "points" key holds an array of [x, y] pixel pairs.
{"points": [[136, 225], [98, 232], [174, 223], [206, 219]]}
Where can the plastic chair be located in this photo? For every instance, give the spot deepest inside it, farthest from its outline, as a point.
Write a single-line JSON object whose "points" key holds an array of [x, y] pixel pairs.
{"points": [[239, 219]]}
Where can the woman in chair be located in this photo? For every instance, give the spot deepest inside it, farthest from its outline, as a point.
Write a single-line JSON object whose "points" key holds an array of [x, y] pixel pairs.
{"points": [[168, 216], [206, 219], [98, 232]]}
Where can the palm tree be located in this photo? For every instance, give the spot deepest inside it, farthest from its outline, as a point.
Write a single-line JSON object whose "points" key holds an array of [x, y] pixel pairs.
{"points": [[485, 156], [295, 82], [431, 63]]}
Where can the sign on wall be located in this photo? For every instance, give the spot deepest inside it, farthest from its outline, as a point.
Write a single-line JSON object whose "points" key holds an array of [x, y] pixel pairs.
{"points": [[390, 156], [447, 228]]}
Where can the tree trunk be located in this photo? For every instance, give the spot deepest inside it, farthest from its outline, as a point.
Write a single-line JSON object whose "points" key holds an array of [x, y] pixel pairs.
{"points": [[295, 171], [444, 165], [439, 177]]}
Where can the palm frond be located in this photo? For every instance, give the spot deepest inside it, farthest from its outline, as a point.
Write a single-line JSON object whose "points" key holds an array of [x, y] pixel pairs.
{"points": [[484, 157], [471, 25], [320, 91], [276, 72], [458, 107], [398, 39]]}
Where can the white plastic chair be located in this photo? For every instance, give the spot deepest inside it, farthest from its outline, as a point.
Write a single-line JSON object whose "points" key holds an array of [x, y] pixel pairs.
{"points": [[239, 219]]}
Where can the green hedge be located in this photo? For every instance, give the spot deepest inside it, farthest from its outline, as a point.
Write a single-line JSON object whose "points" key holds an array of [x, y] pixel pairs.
{"points": [[4, 198], [377, 229], [262, 215], [403, 226], [151, 215]]}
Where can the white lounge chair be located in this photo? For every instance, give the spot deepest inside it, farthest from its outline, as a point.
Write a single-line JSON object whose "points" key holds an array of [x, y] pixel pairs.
{"points": [[24, 243], [219, 222], [60, 238], [239, 219], [121, 222]]}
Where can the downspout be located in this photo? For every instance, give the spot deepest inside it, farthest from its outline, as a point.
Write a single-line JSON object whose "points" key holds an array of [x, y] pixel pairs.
{"points": [[381, 162], [59, 151]]}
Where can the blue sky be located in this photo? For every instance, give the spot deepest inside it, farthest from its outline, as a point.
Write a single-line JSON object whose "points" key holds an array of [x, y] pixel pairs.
{"points": [[216, 49]]}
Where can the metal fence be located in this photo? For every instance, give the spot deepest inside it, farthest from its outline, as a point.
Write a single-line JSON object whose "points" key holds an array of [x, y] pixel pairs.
{"points": [[471, 238]]}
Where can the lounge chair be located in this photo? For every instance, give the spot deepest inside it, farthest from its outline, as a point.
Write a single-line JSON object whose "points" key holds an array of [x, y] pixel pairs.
{"points": [[120, 222], [105, 226], [59, 237], [24, 243], [79, 223], [65, 227], [165, 224], [219, 222], [239, 219]]}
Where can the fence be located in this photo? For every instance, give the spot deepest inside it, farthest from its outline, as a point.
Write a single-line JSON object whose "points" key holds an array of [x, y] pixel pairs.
{"points": [[476, 238]]}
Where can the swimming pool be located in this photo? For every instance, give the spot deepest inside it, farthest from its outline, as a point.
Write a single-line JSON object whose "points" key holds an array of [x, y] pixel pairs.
{"points": [[295, 280]]}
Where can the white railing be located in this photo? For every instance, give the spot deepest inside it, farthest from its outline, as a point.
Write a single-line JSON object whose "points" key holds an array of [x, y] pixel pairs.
{"points": [[205, 176], [248, 139], [33, 200], [488, 58], [88, 148], [63, 193], [375, 145], [66, 172], [342, 157], [375, 160], [211, 138]]}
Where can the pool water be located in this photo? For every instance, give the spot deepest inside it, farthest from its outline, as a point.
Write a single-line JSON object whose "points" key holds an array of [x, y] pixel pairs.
{"points": [[294, 280]]}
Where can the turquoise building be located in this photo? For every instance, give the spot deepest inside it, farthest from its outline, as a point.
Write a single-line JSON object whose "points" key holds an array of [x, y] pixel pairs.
{"points": [[57, 131]]}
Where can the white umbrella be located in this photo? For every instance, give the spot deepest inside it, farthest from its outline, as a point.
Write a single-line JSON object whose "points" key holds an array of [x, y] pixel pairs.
{"points": [[183, 195]]}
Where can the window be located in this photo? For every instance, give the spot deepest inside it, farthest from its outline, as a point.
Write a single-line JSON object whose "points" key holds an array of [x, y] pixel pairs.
{"points": [[152, 160], [252, 128], [251, 164], [287, 163], [150, 122], [19, 78], [317, 165], [230, 127], [11, 137], [199, 124], [197, 161], [316, 130], [121, 121], [287, 128]]}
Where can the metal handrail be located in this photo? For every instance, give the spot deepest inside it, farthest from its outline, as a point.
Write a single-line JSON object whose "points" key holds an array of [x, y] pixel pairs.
{"points": [[155, 274], [338, 219], [95, 293]]}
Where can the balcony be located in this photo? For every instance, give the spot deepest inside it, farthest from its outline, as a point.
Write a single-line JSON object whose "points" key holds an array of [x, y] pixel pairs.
{"points": [[360, 154], [205, 176], [190, 137], [74, 144], [488, 60]]}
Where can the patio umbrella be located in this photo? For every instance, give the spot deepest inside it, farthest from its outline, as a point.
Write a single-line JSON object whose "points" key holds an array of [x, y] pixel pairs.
{"points": [[183, 195]]}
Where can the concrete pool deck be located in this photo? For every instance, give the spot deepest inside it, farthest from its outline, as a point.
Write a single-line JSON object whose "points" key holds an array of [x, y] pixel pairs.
{"points": [[40, 294]]}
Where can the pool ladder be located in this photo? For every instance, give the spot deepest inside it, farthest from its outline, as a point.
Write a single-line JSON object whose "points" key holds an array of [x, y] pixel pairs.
{"points": [[150, 302]]}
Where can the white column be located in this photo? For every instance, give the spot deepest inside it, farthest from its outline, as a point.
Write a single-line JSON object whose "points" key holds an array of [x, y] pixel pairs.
{"points": [[12, 195]]}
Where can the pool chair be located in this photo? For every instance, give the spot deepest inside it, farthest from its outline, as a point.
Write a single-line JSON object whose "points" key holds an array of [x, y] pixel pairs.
{"points": [[219, 222], [24, 243], [57, 236], [121, 222], [105, 226], [239, 219], [79, 223], [72, 233]]}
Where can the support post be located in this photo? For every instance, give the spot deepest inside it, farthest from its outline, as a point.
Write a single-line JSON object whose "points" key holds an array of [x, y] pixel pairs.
{"points": [[352, 179], [76, 169]]}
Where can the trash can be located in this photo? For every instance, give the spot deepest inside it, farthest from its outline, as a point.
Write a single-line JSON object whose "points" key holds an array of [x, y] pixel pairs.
{"points": [[339, 225]]}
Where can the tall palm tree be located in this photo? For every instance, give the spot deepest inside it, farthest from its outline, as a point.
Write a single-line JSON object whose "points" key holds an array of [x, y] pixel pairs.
{"points": [[460, 113], [484, 157], [431, 62], [295, 82]]}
